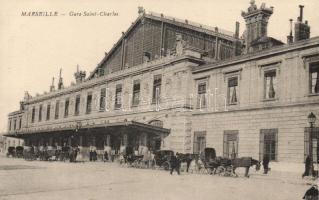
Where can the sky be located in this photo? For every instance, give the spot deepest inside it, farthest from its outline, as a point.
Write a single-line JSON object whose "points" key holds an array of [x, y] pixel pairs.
{"points": [[33, 49]]}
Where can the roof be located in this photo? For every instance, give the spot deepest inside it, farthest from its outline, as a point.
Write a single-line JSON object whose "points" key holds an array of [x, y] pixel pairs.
{"points": [[266, 39], [214, 31], [147, 128]]}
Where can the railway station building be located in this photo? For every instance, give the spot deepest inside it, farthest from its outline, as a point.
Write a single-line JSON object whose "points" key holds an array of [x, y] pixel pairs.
{"points": [[175, 84]]}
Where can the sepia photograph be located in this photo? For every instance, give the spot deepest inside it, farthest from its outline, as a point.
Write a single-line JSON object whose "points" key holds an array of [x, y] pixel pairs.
{"points": [[159, 100]]}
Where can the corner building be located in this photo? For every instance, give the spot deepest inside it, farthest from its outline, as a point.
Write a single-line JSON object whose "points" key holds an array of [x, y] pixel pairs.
{"points": [[174, 84]]}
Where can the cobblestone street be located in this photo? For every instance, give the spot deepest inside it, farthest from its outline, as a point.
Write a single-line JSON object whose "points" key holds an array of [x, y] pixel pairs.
{"points": [[26, 180]]}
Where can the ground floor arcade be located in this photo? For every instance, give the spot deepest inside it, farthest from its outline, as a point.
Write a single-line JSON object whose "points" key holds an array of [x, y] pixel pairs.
{"points": [[134, 136]]}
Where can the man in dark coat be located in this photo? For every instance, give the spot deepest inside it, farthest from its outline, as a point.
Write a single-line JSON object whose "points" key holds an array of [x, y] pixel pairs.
{"points": [[175, 164], [307, 166], [312, 193], [266, 164]]}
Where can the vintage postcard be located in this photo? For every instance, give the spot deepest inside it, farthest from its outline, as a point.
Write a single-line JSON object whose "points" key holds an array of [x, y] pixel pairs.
{"points": [[159, 100]]}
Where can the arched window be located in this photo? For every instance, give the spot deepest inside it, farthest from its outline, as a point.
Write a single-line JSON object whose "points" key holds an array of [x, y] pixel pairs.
{"points": [[157, 123]]}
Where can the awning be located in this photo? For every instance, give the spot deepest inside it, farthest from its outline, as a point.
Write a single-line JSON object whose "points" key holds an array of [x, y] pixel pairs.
{"points": [[126, 125]]}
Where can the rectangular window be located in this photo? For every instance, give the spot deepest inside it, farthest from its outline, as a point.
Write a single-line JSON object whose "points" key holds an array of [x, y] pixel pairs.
{"points": [[14, 124], [57, 109], [66, 108], [102, 99], [77, 105], [268, 144], [315, 143], [20, 123], [40, 113], [118, 96], [10, 124], [33, 115], [199, 142], [314, 79], [201, 95], [89, 103], [157, 83], [136, 93], [48, 111], [270, 84], [231, 144], [232, 92]]}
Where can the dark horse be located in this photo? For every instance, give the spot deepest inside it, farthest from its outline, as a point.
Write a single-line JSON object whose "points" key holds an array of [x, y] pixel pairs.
{"points": [[246, 162], [187, 158]]}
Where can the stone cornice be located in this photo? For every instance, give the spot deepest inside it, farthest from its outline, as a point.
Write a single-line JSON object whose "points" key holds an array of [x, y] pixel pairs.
{"points": [[261, 107], [136, 70], [312, 42]]}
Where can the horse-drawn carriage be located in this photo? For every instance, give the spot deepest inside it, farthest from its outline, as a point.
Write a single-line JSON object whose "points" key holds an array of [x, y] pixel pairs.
{"points": [[162, 159], [11, 152], [19, 151], [208, 163], [28, 153]]}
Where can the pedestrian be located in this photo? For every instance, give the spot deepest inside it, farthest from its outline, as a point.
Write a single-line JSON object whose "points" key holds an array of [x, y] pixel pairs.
{"points": [[307, 166], [311, 193], [266, 164], [106, 156], [175, 164]]}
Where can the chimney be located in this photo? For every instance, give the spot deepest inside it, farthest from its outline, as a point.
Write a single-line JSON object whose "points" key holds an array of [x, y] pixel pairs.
{"points": [[256, 23], [60, 84], [301, 12], [302, 30], [79, 75], [237, 30], [52, 88], [290, 38]]}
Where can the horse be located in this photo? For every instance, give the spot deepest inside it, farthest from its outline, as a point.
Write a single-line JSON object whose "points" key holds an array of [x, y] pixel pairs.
{"points": [[246, 162], [185, 158]]}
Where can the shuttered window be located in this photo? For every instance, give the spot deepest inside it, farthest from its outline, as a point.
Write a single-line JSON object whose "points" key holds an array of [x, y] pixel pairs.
{"points": [[102, 99], [201, 95], [136, 93], [118, 96], [89, 103], [315, 143], [77, 105], [199, 142], [33, 115], [157, 83], [232, 95], [57, 106], [314, 78], [40, 113], [48, 112], [230, 146], [270, 84], [268, 144]]}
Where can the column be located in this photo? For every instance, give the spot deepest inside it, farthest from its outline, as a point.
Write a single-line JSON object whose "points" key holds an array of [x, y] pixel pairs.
{"points": [[108, 140], [50, 141], [80, 140], [69, 141]]}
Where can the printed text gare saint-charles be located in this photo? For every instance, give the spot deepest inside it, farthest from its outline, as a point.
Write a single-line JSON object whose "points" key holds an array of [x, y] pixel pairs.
{"points": [[71, 13]]}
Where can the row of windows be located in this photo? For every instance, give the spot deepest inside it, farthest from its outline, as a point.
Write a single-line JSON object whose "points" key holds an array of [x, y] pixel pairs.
{"points": [[270, 87], [15, 124], [268, 145], [102, 106]]}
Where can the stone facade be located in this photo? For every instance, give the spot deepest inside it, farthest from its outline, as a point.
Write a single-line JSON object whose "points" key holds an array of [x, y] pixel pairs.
{"points": [[249, 105]]}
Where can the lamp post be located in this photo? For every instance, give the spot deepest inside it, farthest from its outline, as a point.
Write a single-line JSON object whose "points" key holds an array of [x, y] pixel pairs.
{"points": [[311, 120]]}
